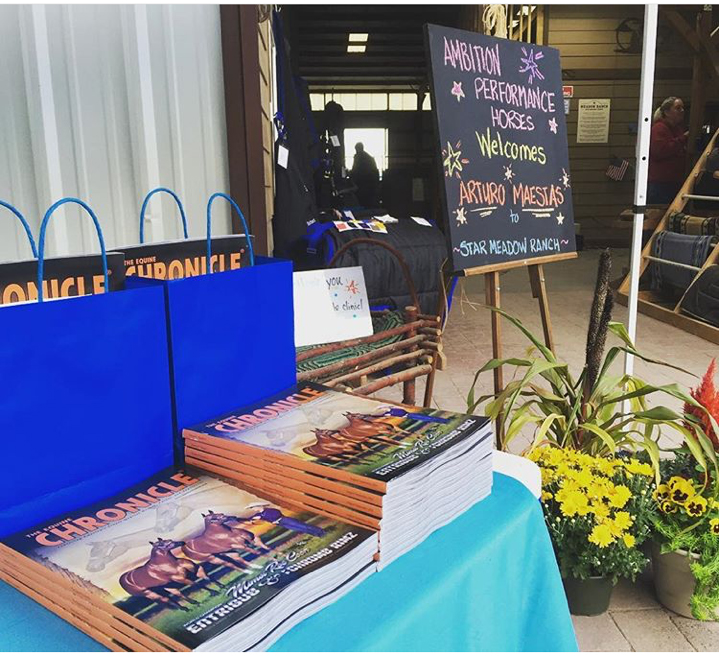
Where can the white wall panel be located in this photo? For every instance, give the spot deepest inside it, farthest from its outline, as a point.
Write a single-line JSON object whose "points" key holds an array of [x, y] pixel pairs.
{"points": [[103, 102]]}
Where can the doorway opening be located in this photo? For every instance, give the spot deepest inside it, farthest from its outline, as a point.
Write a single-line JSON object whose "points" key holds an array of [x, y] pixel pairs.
{"points": [[375, 141]]}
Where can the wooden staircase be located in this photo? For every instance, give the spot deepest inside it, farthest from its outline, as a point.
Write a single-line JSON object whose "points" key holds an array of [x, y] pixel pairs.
{"points": [[651, 302]]}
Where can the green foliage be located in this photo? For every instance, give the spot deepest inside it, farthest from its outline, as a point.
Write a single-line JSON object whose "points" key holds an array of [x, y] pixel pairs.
{"points": [[691, 524]]}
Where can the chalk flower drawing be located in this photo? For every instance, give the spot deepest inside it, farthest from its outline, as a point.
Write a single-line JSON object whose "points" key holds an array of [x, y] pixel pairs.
{"points": [[530, 64], [553, 125], [453, 160], [560, 218], [565, 179], [508, 173], [461, 218], [457, 90]]}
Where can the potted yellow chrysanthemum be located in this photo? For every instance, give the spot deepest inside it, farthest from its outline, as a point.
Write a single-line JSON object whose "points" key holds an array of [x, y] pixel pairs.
{"points": [[598, 511], [685, 552]]}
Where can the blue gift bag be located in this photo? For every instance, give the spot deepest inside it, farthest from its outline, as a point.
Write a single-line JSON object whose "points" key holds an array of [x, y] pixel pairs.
{"points": [[85, 403], [231, 335]]}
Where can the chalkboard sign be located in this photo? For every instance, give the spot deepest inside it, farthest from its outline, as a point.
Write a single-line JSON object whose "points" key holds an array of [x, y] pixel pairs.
{"points": [[503, 140]]}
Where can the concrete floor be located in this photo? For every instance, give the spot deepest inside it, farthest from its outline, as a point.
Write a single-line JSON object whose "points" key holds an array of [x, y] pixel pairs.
{"points": [[635, 620]]}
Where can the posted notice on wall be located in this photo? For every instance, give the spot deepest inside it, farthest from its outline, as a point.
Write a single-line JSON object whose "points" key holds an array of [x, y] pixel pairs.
{"points": [[593, 121], [330, 306]]}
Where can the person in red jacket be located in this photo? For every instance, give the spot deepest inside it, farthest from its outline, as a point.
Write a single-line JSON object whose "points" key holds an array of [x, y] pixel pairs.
{"points": [[667, 152]]}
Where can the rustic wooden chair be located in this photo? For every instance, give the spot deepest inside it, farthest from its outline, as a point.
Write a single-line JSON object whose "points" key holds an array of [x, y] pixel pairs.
{"points": [[404, 346]]}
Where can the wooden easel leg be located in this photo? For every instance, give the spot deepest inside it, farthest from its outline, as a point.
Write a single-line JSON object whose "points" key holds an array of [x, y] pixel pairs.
{"points": [[492, 298], [539, 291]]}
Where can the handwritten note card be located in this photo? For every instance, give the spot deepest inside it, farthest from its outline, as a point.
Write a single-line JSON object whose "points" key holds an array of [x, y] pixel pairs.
{"points": [[330, 306], [502, 148]]}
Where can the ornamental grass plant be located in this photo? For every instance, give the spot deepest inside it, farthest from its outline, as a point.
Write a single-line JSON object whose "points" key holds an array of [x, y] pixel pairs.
{"points": [[597, 411], [598, 510]]}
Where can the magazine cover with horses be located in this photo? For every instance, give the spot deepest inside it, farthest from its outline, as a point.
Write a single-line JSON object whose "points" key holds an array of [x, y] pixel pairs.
{"points": [[193, 555], [358, 435]]}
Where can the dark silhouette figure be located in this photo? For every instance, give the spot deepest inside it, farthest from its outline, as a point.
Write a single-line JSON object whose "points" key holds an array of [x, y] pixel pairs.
{"points": [[366, 176]]}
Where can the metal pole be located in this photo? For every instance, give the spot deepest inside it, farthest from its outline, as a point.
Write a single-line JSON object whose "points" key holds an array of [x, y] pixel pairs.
{"points": [[642, 154], [700, 197], [681, 265]]}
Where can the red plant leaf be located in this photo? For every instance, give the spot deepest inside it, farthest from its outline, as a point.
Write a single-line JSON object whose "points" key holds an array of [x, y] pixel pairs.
{"points": [[708, 395]]}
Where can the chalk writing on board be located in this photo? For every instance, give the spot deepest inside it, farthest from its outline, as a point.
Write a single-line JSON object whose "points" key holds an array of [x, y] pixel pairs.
{"points": [[530, 64], [453, 161], [457, 91], [503, 145]]}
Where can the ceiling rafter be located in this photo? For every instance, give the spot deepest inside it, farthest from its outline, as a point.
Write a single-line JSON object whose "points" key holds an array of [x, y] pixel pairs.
{"points": [[394, 56]]}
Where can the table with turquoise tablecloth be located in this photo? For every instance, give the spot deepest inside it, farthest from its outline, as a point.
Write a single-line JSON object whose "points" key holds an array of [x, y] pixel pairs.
{"points": [[486, 582]]}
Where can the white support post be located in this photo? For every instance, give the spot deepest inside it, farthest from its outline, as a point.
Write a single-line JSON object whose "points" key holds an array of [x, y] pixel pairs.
{"points": [[43, 120], [642, 169]]}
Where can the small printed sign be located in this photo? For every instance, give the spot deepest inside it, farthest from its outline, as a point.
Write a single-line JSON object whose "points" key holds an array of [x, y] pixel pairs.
{"points": [[421, 221], [283, 155], [330, 306], [568, 91], [386, 218], [593, 121]]}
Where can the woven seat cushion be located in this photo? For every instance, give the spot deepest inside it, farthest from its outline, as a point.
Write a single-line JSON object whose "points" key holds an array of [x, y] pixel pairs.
{"points": [[380, 322]]}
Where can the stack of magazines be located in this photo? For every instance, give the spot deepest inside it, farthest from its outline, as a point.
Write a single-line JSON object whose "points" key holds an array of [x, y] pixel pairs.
{"points": [[183, 562], [404, 470]]}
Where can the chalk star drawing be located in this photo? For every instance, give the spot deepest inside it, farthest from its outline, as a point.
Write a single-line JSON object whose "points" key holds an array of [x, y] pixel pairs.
{"points": [[560, 218], [553, 125], [453, 161], [461, 218], [530, 64], [508, 173], [352, 287], [565, 179], [457, 90]]}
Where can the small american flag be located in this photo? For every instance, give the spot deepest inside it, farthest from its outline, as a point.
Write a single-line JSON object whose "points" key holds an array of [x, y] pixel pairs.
{"points": [[617, 169]]}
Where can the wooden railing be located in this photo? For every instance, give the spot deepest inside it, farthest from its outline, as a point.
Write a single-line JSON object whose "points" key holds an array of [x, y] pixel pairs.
{"points": [[525, 23]]}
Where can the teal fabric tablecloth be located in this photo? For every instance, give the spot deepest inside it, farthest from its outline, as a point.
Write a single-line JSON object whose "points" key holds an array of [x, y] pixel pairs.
{"points": [[486, 582]]}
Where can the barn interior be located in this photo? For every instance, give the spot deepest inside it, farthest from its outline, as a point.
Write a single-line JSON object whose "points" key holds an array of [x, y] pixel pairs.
{"points": [[371, 60]]}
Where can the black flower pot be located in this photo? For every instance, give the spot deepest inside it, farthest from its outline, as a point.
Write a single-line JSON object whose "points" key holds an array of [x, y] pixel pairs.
{"points": [[588, 596]]}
